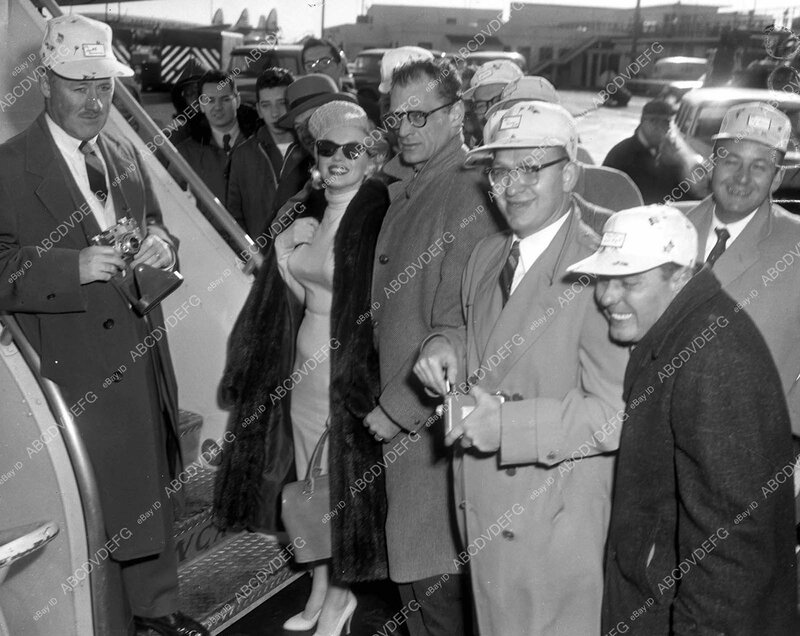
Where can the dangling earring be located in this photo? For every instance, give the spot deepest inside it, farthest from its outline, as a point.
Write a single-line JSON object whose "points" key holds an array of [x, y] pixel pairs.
{"points": [[316, 178]]}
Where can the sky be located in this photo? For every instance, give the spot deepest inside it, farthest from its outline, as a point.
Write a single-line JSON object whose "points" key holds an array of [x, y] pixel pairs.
{"points": [[303, 17]]}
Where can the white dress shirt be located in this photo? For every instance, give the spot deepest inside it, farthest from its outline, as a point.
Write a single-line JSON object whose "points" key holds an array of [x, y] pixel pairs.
{"points": [[68, 146], [533, 246], [218, 135], [735, 229]]}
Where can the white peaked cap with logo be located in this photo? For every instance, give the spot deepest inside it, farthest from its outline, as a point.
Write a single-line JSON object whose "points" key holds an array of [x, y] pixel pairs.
{"points": [[641, 238], [527, 125], [79, 48]]}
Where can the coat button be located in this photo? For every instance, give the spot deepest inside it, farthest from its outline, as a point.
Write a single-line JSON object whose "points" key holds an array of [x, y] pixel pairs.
{"points": [[108, 324], [511, 472], [383, 259], [551, 455], [463, 505], [50, 296], [508, 534]]}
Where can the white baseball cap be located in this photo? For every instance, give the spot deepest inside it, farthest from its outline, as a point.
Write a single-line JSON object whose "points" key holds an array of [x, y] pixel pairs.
{"points": [[527, 125], [79, 48], [756, 121], [527, 88], [395, 58], [641, 238], [494, 72]]}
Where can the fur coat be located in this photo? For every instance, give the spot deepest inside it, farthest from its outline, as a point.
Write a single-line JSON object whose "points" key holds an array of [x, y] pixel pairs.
{"points": [[259, 458]]}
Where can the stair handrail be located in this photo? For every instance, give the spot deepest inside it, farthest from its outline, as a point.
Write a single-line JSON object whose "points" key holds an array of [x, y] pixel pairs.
{"points": [[82, 469], [220, 215]]}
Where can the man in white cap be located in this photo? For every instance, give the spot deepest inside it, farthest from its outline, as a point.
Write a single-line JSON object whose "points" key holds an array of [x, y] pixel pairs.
{"points": [[532, 475], [607, 187], [701, 539], [64, 181], [753, 243], [485, 89]]}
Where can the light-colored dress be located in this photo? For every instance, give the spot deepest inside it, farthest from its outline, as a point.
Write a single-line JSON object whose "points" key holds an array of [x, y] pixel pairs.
{"points": [[311, 266]]}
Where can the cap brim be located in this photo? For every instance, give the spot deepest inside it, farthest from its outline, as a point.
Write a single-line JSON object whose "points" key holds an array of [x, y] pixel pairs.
{"points": [[95, 69], [606, 263], [485, 153], [287, 121]]}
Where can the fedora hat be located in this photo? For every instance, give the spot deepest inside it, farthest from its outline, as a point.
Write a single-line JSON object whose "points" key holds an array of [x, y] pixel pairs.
{"points": [[310, 91]]}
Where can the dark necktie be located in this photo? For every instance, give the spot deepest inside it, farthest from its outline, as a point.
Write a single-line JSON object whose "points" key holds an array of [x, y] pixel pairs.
{"points": [[95, 171], [226, 142], [719, 247], [507, 274]]}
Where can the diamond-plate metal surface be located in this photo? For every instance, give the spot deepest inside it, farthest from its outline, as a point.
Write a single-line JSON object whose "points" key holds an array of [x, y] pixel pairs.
{"points": [[237, 575], [198, 493]]}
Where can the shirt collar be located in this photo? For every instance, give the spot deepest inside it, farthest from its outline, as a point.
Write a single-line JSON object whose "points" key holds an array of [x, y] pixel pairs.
{"points": [[233, 131], [532, 247], [67, 144], [735, 228]]}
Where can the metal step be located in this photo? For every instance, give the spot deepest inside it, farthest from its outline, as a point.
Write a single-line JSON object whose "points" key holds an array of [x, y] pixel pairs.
{"points": [[234, 578], [193, 530], [189, 426]]}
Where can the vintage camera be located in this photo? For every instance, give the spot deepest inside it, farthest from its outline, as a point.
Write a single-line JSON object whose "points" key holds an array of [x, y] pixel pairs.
{"points": [[147, 286], [125, 237], [458, 406]]}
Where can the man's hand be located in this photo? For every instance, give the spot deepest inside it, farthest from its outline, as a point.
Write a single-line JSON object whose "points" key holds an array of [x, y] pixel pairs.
{"points": [[436, 365], [99, 262], [155, 252], [380, 425], [481, 428]]}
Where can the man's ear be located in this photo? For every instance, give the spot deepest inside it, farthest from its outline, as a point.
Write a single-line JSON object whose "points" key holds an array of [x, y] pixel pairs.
{"points": [[457, 114], [44, 84], [570, 175], [680, 277], [777, 179]]}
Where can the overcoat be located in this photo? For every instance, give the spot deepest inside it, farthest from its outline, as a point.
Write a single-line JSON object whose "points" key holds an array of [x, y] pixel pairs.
{"points": [[258, 457], [702, 530], [436, 217], [86, 333], [535, 513], [761, 270]]}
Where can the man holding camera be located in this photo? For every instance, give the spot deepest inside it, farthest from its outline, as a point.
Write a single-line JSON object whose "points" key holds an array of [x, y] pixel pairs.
{"points": [[64, 184], [533, 473]]}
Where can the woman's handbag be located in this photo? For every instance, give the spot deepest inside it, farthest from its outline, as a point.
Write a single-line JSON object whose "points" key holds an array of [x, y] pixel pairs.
{"points": [[305, 504]]}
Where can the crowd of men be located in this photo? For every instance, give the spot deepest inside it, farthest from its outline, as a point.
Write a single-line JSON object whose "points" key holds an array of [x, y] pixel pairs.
{"points": [[623, 381]]}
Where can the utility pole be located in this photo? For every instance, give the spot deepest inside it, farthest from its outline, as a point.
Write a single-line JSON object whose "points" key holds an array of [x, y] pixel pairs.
{"points": [[636, 23], [322, 21]]}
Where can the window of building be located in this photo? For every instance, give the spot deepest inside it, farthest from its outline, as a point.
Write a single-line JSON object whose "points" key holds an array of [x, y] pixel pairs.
{"points": [[545, 52], [451, 21]]}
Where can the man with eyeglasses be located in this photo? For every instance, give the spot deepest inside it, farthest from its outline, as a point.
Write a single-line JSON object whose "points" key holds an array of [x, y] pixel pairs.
{"points": [[437, 214], [536, 432], [208, 150], [485, 89]]}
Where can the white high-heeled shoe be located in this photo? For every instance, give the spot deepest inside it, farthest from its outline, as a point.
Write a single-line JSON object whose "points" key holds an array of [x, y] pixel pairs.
{"points": [[299, 624], [344, 619]]}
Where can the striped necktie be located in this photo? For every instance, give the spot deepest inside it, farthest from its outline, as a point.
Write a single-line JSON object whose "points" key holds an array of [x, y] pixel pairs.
{"points": [[95, 171], [507, 273], [719, 247]]}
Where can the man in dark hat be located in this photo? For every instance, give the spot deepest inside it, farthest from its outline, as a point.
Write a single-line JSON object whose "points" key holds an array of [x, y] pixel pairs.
{"points": [[656, 158]]}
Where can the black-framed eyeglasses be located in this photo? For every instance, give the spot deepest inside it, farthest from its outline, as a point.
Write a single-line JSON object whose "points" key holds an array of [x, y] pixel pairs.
{"points": [[417, 118], [480, 106], [527, 174], [328, 148], [323, 62]]}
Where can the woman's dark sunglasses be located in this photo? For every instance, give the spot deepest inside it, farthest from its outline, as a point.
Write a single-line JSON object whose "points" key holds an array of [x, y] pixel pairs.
{"points": [[328, 148]]}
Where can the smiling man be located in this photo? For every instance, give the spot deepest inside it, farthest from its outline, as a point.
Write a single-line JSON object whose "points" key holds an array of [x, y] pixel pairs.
{"points": [[701, 536], [534, 472]]}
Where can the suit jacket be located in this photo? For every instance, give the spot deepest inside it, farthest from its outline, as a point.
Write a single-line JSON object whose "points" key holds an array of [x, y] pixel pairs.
{"points": [[535, 513], [85, 334], [702, 530], [434, 220], [761, 270]]}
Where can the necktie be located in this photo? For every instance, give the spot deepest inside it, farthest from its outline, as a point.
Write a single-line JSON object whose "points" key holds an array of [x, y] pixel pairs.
{"points": [[507, 274], [95, 171], [719, 247], [226, 142]]}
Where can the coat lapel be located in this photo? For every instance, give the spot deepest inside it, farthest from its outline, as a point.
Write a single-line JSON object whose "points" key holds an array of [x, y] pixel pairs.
{"points": [[745, 251]]}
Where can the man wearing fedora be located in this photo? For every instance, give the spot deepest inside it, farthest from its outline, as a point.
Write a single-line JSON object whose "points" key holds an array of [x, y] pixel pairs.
{"points": [[64, 181], [533, 473], [701, 539]]}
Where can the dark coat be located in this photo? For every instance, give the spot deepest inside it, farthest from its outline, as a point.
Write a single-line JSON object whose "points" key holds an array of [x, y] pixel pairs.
{"points": [[261, 350], [701, 537], [84, 333], [260, 180], [654, 180]]}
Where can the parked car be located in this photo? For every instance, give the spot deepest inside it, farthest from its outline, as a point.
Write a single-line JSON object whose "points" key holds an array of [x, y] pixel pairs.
{"points": [[700, 115], [672, 77], [247, 62], [367, 72]]}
